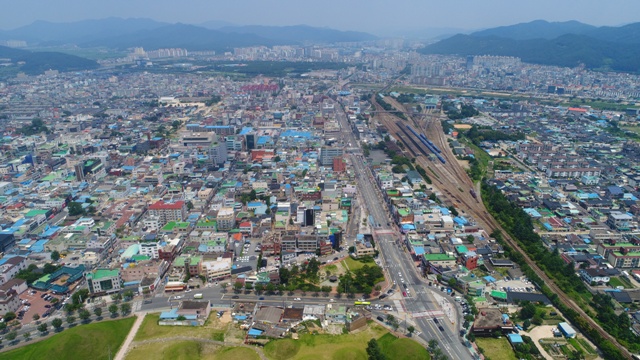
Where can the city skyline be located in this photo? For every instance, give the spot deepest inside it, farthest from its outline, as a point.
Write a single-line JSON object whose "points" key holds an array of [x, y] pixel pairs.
{"points": [[379, 18]]}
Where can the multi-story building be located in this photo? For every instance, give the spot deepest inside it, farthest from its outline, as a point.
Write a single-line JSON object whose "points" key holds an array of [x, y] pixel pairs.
{"points": [[11, 267], [327, 154], [176, 211], [217, 269], [104, 281], [226, 219]]}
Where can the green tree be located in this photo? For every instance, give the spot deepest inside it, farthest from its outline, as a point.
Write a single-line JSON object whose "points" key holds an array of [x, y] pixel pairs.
{"points": [[189, 205], [373, 350], [71, 319], [528, 310], [526, 324], [26, 335], [411, 330], [270, 288], [84, 315], [248, 286], [75, 209], [128, 294], [36, 317], [9, 316], [12, 335], [97, 311], [3, 326], [237, 286], [390, 318], [57, 324], [113, 309], [259, 288], [42, 328], [55, 255], [125, 308], [181, 318]]}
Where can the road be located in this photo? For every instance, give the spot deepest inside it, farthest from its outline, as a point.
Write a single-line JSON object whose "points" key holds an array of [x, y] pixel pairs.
{"points": [[420, 307]]}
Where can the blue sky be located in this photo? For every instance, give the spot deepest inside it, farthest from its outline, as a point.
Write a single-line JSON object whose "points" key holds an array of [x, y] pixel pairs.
{"points": [[376, 16]]}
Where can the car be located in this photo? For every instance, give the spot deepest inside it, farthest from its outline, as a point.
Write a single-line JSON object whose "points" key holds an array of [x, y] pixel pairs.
{"points": [[297, 299], [48, 306], [390, 291], [405, 285], [261, 298], [382, 296], [332, 300], [441, 328], [404, 294], [435, 320], [335, 258], [235, 297], [380, 318]]}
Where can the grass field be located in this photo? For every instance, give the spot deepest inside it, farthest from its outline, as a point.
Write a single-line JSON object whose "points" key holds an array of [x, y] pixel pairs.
{"points": [[190, 350], [353, 264], [616, 281], [402, 349], [91, 341], [213, 329], [496, 348], [341, 347]]}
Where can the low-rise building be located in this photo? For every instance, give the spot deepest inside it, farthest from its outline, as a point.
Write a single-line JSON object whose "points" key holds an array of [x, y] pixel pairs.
{"points": [[104, 281]]}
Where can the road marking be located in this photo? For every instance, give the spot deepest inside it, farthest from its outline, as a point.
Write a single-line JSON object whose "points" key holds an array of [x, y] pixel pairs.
{"points": [[428, 313], [399, 305]]}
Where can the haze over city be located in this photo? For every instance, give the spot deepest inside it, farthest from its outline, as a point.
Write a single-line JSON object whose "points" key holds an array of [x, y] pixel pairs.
{"points": [[377, 17]]}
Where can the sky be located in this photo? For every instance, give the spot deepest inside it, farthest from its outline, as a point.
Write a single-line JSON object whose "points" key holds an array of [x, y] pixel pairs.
{"points": [[375, 16]]}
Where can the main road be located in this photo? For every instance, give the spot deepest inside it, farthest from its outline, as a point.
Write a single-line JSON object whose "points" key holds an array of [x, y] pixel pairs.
{"points": [[420, 306]]}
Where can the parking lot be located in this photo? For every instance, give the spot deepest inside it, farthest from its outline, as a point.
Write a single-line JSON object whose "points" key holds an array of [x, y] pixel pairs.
{"points": [[34, 303], [515, 286]]}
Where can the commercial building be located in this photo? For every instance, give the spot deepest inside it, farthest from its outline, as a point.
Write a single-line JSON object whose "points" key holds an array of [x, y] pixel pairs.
{"points": [[327, 154], [217, 269], [104, 281], [165, 212]]}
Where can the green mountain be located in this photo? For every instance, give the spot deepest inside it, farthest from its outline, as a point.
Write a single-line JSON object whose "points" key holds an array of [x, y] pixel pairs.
{"points": [[39, 62], [537, 29], [604, 48], [300, 34]]}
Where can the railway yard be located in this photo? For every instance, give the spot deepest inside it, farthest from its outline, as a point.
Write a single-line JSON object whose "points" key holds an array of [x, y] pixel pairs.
{"points": [[454, 184]]}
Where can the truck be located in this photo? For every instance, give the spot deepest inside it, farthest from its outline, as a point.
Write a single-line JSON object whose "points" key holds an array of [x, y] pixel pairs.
{"points": [[197, 296]]}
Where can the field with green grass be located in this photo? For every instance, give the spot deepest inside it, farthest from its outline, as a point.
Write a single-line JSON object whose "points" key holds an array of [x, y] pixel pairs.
{"points": [[617, 281], [92, 341], [189, 350], [343, 347], [353, 264], [402, 349], [213, 329], [496, 348]]}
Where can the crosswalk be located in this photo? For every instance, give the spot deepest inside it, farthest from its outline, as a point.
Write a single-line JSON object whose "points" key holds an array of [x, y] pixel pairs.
{"points": [[399, 305], [428, 313], [385, 232], [137, 305]]}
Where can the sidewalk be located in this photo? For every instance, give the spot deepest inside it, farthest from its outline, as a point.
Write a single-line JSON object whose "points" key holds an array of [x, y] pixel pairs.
{"points": [[132, 333]]}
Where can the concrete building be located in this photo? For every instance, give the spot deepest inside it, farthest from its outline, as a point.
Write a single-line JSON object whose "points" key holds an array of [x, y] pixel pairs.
{"points": [[226, 219], [216, 269], [327, 154], [104, 281], [166, 212]]}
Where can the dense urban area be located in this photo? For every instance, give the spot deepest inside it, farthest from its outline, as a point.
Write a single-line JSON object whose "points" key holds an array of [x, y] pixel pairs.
{"points": [[261, 202]]}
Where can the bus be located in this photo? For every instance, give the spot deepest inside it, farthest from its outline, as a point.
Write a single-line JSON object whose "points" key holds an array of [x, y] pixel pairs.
{"points": [[361, 303]]}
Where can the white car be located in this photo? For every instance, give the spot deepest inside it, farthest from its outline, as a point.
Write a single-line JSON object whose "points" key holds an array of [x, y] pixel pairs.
{"points": [[297, 299]]}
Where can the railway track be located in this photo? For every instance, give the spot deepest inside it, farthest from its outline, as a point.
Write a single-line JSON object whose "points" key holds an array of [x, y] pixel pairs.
{"points": [[454, 171]]}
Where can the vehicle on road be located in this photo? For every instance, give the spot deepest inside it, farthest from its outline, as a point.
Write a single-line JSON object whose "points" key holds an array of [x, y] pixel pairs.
{"points": [[297, 299], [261, 298], [441, 328], [235, 297]]}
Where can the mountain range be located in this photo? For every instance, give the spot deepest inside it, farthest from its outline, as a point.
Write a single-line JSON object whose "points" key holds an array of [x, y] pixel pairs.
{"points": [[213, 35], [38, 62], [552, 43]]}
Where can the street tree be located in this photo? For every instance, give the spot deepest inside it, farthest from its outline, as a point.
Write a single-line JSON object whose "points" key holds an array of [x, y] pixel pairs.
{"points": [[57, 324], [42, 328], [71, 319], [113, 309], [411, 330], [125, 308], [97, 311], [84, 315]]}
